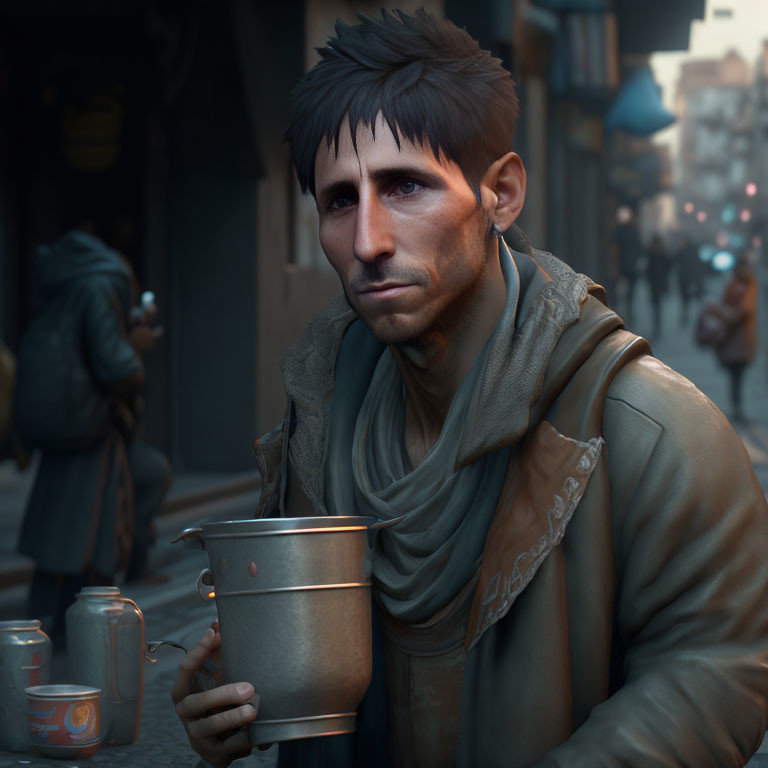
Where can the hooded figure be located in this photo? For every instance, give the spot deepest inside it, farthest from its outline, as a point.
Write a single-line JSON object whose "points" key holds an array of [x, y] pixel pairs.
{"points": [[76, 370]]}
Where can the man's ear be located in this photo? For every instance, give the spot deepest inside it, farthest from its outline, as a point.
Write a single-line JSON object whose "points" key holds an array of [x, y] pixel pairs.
{"points": [[502, 190]]}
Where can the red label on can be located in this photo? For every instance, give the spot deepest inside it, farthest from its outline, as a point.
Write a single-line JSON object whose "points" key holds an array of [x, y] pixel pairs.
{"points": [[64, 723]]}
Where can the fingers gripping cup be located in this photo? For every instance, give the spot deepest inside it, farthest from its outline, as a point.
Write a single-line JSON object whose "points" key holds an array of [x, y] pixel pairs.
{"points": [[64, 720]]}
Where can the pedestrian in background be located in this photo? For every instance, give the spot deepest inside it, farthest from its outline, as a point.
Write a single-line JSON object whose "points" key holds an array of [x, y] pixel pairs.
{"points": [[738, 311], [657, 274], [79, 370], [629, 253], [690, 276]]}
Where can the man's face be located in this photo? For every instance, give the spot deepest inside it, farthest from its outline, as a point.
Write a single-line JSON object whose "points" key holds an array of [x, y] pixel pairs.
{"points": [[403, 231]]}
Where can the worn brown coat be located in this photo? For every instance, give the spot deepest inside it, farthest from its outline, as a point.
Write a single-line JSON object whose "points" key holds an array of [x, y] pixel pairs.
{"points": [[620, 616]]}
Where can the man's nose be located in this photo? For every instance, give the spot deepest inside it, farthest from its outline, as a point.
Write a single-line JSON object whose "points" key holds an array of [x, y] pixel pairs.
{"points": [[373, 230]]}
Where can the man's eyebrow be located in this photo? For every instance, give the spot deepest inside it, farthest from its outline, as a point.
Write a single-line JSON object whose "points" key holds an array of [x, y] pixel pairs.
{"points": [[408, 171], [344, 186], [341, 187]]}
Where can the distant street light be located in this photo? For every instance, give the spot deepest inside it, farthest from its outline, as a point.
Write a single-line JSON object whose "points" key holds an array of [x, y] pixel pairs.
{"points": [[745, 215], [722, 239], [701, 216], [723, 261], [751, 188], [688, 207]]}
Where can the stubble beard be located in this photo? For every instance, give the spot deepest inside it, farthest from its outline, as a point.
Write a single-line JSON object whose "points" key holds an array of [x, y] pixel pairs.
{"points": [[386, 328], [419, 339]]}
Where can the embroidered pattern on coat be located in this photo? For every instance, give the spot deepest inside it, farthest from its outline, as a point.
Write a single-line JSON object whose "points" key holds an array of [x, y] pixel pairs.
{"points": [[504, 586]]}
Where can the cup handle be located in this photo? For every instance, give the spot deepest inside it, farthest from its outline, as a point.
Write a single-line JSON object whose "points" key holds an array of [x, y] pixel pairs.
{"points": [[205, 587]]}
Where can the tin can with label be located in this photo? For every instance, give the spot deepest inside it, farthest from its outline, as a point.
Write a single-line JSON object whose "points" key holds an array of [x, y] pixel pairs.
{"points": [[25, 660], [105, 649], [64, 720]]}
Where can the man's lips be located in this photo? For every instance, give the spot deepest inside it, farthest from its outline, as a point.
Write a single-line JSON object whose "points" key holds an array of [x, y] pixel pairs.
{"points": [[384, 290]]}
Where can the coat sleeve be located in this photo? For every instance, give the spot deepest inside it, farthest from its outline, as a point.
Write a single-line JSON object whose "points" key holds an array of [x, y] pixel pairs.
{"points": [[269, 452], [113, 361], [691, 605]]}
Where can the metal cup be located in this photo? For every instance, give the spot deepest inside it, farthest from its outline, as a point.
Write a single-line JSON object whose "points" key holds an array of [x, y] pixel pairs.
{"points": [[294, 603]]}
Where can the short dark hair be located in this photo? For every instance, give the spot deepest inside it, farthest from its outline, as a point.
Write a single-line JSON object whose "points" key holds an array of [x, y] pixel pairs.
{"points": [[431, 81]]}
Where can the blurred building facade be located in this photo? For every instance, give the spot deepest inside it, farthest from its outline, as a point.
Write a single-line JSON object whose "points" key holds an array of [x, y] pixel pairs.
{"points": [[575, 62], [723, 160], [714, 98], [172, 114]]}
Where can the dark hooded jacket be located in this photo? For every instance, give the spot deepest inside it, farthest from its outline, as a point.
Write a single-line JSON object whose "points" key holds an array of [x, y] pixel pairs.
{"points": [[75, 357], [75, 362], [619, 617]]}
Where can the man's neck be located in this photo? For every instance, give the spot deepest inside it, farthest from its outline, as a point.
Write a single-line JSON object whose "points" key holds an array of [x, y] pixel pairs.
{"points": [[433, 367]]}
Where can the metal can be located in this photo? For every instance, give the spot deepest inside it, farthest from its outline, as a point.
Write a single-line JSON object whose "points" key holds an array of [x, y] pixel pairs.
{"points": [[105, 648], [64, 720], [25, 659]]}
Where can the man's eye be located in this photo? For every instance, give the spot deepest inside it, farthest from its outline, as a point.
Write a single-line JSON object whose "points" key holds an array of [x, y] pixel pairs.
{"points": [[338, 203], [407, 187]]}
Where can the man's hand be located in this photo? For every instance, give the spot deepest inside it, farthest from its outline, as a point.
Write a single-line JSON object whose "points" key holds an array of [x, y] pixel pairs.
{"points": [[210, 716], [142, 338]]}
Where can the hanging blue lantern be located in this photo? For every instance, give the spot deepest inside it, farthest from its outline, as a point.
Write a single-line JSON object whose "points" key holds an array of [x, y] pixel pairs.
{"points": [[638, 109]]}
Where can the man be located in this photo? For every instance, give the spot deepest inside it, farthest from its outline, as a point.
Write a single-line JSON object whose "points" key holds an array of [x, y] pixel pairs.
{"points": [[657, 275], [629, 253], [79, 369], [578, 578], [690, 275]]}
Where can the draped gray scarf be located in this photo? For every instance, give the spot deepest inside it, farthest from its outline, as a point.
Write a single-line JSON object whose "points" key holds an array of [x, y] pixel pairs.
{"points": [[420, 564]]}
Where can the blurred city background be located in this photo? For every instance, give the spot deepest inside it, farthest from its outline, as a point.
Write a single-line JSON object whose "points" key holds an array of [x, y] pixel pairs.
{"points": [[172, 113], [643, 129]]}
